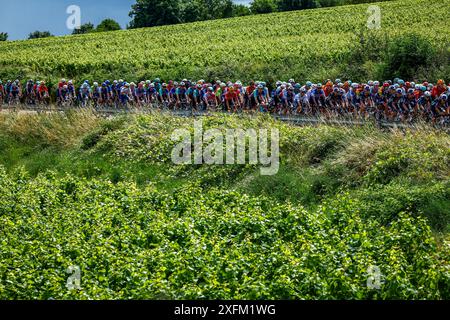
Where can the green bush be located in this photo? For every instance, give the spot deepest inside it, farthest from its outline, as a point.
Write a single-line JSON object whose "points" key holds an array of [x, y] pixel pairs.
{"points": [[133, 243], [407, 55]]}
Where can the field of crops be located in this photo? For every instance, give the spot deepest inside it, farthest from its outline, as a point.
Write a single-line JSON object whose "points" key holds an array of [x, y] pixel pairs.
{"points": [[102, 195], [312, 44]]}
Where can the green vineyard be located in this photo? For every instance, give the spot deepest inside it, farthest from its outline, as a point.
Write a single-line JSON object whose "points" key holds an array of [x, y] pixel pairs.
{"points": [[309, 44]]}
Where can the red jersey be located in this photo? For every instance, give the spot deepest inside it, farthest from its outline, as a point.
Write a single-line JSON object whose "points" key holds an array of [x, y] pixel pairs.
{"points": [[437, 91], [231, 95]]}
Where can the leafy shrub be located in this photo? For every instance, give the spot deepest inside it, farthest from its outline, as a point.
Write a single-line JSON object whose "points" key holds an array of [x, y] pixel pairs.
{"points": [[406, 55], [133, 243]]}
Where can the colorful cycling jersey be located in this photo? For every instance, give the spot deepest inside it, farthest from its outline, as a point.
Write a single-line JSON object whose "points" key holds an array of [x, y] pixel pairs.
{"points": [[181, 91], [210, 96], [164, 92], [352, 97], [14, 88], [260, 93], [424, 101]]}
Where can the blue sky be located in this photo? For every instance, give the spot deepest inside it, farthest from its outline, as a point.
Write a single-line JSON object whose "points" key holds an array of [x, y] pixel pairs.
{"points": [[20, 17]]}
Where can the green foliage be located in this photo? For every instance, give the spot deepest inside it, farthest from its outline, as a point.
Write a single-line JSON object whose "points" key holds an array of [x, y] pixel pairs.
{"points": [[135, 243], [407, 54], [84, 28], [263, 6], [289, 5], [39, 34], [149, 13], [108, 25], [102, 194], [304, 45], [3, 36]]}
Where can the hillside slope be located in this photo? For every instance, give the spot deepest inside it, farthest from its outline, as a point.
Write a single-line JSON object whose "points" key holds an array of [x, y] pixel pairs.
{"points": [[311, 44]]}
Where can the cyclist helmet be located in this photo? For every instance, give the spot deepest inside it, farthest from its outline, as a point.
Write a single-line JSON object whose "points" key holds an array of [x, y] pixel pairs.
{"points": [[338, 81], [408, 84], [115, 81], [164, 85], [399, 91], [260, 86], [65, 86], [308, 83], [444, 97], [182, 83], [157, 80], [95, 84], [410, 91], [423, 88]]}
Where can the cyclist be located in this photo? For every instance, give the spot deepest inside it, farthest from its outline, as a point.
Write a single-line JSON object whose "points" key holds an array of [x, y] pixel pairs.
{"points": [[42, 90], [261, 98], [2, 93], [440, 108], [30, 93], [181, 96], [209, 99], [85, 94], [15, 92], [232, 102], [438, 89], [164, 95]]}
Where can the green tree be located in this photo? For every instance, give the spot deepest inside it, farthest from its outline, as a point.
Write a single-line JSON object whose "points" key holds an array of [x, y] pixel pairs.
{"points": [[108, 25], [39, 34], [3, 36], [263, 6], [84, 28], [149, 13], [192, 10], [240, 10], [289, 5]]}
